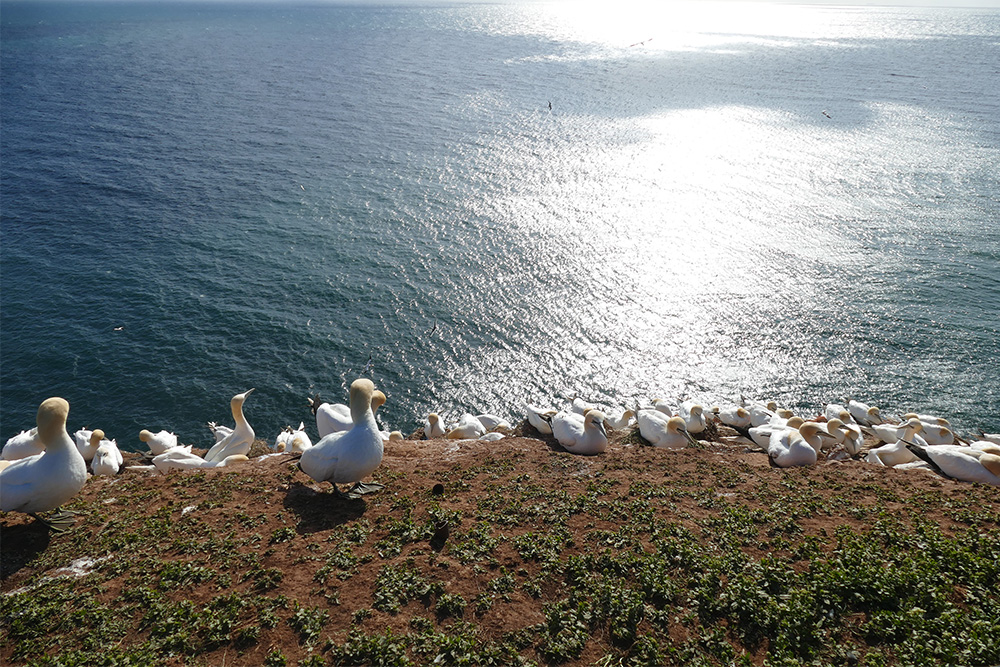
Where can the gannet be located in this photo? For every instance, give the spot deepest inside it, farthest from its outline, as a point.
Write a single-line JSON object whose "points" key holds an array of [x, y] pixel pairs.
{"points": [[45, 481], [219, 432], [891, 433], [837, 411], [82, 440], [580, 406], [847, 435], [331, 417], [433, 427], [964, 463], [395, 436], [540, 418], [761, 435], [990, 437], [282, 440], [863, 414], [734, 417], [580, 434], [89, 448], [240, 440], [936, 434], [108, 460], [493, 422], [350, 456], [761, 413], [620, 420], [180, 458], [492, 436], [158, 442], [929, 419], [298, 440], [693, 415], [467, 427], [662, 431], [795, 447], [661, 405], [891, 455], [23, 445]]}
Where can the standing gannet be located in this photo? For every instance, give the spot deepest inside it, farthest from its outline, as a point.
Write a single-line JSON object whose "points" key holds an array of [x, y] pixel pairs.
{"points": [[580, 434], [22, 445], [158, 442], [237, 442], [433, 427], [693, 415], [863, 414], [467, 427], [340, 458], [540, 418], [791, 447], [108, 460], [45, 481], [661, 430], [965, 463]]}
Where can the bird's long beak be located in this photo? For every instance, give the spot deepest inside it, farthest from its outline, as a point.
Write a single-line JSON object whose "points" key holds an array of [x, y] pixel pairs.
{"points": [[690, 438]]}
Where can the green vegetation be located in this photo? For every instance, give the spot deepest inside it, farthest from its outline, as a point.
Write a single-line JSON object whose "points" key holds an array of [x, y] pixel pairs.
{"points": [[557, 564]]}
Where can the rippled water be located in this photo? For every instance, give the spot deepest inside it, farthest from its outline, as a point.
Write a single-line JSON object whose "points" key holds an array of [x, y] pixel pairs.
{"points": [[789, 202]]}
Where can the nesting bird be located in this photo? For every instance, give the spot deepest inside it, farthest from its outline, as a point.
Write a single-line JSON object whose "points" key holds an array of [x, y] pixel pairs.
{"points": [[158, 442], [580, 434], [661, 430], [23, 445]]}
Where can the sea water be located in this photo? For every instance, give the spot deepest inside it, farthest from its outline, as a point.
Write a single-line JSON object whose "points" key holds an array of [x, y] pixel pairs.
{"points": [[478, 205]]}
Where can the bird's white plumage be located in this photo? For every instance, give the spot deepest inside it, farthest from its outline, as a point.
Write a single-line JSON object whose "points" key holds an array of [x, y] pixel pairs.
{"points": [[158, 442], [539, 418], [24, 444], [662, 430], [580, 434], [433, 426], [45, 481], [239, 441], [352, 455]]}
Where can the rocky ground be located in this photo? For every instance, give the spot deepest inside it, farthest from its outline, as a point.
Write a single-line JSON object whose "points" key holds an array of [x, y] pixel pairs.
{"points": [[513, 552]]}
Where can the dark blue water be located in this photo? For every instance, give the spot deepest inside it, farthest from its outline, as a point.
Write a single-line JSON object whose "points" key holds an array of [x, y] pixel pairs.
{"points": [[799, 203]]}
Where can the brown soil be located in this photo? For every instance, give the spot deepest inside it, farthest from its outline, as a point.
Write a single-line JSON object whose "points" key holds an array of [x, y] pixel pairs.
{"points": [[270, 496]]}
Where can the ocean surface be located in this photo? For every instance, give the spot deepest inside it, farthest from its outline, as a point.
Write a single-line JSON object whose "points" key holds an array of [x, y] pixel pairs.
{"points": [[798, 203]]}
